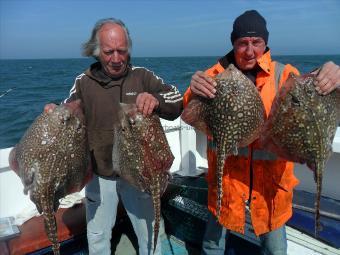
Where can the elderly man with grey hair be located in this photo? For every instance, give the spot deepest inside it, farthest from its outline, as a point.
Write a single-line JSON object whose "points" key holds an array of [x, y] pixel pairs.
{"points": [[107, 83]]}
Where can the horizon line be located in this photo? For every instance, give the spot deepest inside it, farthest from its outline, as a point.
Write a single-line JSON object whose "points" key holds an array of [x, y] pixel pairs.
{"points": [[202, 56]]}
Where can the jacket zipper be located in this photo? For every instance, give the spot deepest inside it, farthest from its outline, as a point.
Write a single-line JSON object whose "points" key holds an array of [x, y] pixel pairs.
{"points": [[251, 173]]}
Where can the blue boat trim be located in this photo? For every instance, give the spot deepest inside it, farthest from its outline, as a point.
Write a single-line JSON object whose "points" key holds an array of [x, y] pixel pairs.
{"points": [[303, 220]]}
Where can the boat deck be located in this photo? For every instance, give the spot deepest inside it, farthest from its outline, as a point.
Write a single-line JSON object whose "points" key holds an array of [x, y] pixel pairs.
{"points": [[33, 240], [184, 216]]}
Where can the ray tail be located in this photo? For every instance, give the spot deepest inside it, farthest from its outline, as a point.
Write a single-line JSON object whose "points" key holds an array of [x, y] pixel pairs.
{"points": [[219, 176], [318, 179], [50, 223], [156, 200]]}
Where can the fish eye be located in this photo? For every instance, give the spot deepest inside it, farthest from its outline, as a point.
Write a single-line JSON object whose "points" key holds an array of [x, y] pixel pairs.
{"points": [[139, 118], [295, 101], [61, 119], [64, 119], [310, 91], [132, 121]]}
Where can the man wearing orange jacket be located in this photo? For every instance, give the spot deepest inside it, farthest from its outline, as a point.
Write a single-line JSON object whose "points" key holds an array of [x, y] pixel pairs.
{"points": [[254, 179]]}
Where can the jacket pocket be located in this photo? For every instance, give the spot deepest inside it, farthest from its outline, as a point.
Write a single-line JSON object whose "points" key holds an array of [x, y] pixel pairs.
{"points": [[101, 151], [103, 159], [92, 197], [283, 184], [285, 179], [92, 191]]}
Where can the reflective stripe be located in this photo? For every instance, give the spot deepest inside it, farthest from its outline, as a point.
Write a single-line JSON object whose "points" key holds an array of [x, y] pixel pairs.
{"points": [[278, 73], [244, 152], [211, 144], [257, 154], [263, 155]]}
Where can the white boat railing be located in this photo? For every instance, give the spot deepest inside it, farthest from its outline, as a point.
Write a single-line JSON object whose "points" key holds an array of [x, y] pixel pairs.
{"points": [[189, 149]]}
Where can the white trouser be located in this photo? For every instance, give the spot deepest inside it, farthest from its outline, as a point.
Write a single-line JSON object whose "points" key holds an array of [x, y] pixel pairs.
{"points": [[102, 196]]}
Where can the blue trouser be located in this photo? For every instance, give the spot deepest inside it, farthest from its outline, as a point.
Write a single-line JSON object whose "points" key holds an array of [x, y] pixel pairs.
{"points": [[102, 196], [272, 243]]}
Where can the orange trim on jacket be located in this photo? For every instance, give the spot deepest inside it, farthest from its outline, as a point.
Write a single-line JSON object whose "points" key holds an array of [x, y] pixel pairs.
{"points": [[273, 180]]}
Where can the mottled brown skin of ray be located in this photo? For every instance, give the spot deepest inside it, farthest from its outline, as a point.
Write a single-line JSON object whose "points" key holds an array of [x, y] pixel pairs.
{"points": [[142, 156], [234, 117], [51, 160], [301, 127], [193, 115]]}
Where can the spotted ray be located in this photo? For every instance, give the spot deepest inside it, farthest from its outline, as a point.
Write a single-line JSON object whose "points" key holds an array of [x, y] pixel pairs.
{"points": [[234, 118], [301, 127], [52, 161], [141, 155]]}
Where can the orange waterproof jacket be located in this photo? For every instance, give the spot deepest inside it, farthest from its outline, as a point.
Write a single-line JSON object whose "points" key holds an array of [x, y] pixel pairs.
{"points": [[273, 178]]}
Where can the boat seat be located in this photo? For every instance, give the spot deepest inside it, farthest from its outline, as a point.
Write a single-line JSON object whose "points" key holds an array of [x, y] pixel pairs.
{"points": [[71, 222]]}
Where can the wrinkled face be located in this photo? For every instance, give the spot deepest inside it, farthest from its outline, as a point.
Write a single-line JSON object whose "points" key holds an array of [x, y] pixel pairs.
{"points": [[247, 50], [114, 52]]}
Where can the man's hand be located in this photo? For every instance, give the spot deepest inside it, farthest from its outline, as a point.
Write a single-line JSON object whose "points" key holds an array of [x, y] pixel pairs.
{"points": [[146, 103], [49, 107], [203, 85], [328, 78]]}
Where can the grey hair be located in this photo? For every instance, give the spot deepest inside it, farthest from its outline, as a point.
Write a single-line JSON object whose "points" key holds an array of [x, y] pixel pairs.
{"points": [[91, 47]]}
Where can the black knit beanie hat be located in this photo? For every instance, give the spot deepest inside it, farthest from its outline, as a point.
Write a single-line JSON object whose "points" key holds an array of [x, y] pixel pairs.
{"points": [[249, 24]]}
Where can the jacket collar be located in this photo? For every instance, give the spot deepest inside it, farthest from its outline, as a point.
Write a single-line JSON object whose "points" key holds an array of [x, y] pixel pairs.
{"points": [[96, 72], [263, 62]]}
